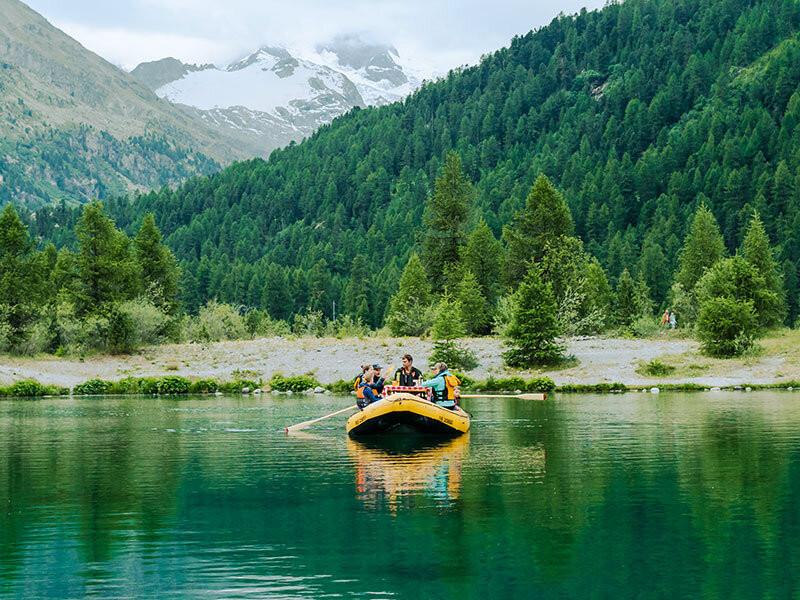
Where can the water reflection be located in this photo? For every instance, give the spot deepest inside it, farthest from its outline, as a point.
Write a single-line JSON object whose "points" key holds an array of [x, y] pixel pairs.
{"points": [[391, 471]]}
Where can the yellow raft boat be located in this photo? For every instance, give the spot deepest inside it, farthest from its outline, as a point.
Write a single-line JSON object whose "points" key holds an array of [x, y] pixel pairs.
{"points": [[407, 411]]}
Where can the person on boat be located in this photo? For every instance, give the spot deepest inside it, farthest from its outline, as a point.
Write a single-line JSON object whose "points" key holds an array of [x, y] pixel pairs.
{"points": [[379, 381], [408, 375], [360, 377], [370, 388], [444, 386]]}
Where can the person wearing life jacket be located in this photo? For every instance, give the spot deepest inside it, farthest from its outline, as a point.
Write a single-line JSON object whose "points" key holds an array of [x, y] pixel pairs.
{"points": [[369, 390], [358, 379], [408, 375], [444, 386]]}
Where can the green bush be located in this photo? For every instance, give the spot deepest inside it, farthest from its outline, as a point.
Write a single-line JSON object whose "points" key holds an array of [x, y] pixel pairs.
{"points": [[236, 387], [93, 387], [655, 368], [596, 388], [540, 384], [297, 383], [645, 327], [216, 322], [454, 356], [29, 388], [726, 327], [172, 385], [507, 384], [129, 385], [343, 386], [203, 386]]}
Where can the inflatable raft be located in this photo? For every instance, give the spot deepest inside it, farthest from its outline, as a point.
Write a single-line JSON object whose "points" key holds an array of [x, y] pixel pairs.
{"points": [[406, 411]]}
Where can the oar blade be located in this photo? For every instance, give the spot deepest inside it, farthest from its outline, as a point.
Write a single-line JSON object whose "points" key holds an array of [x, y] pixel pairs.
{"points": [[532, 396]]}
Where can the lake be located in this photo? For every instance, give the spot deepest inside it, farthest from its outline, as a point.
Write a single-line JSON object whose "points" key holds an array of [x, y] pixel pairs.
{"points": [[670, 495]]}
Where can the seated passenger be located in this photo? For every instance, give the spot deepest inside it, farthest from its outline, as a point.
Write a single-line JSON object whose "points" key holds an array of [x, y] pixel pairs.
{"points": [[408, 375], [444, 386], [378, 380], [368, 390]]}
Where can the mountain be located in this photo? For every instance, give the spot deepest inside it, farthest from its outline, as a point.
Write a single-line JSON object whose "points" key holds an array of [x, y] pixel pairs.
{"points": [[76, 127], [638, 113], [274, 95]]}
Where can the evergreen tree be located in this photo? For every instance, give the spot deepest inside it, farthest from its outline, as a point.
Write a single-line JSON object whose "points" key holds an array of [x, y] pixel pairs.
{"points": [[21, 277], [445, 216], [703, 247], [106, 271], [757, 251], [545, 218], [483, 256], [531, 335], [356, 299], [157, 266], [473, 309], [408, 308], [448, 326], [632, 299]]}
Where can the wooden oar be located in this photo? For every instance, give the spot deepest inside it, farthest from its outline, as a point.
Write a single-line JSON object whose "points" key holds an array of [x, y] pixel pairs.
{"points": [[520, 396], [306, 424]]}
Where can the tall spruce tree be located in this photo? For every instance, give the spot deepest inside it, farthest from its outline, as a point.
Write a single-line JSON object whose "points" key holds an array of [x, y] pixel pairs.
{"points": [[757, 251], [545, 218], [356, 299], [474, 312], [531, 337], [483, 256], [106, 271], [157, 266], [703, 247], [446, 214], [409, 307], [21, 277]]}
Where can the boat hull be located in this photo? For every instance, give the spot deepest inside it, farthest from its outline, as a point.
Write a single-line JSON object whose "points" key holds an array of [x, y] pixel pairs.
{"points": [[400, 412]]}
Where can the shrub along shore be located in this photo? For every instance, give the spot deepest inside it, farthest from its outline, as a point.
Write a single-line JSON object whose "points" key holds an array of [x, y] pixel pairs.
{"points": [[172, 385]]}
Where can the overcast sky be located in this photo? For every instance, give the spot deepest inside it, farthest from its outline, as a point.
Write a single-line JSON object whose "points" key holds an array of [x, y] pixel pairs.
{"points": [[434, 34]]}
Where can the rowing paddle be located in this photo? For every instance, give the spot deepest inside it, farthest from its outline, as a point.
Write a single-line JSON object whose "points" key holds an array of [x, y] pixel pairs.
{"points": [[305, 424], [520, 396]]}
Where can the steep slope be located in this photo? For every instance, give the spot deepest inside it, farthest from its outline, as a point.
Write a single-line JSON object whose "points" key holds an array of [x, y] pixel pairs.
{"points": [[638, 112], [274, 96], [74, 126]]}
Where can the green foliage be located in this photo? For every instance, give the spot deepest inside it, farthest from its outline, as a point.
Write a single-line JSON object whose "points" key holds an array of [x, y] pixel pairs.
{"points": [[545, 218], [408, 309], [595, 388], [29, 388], [512, 384], [531, 335], [701, 250], [173, 385], [726, 326], [297, 383], [157, 266], [446, 214], [655, 368], [483, 256], [473, 308], [216, 322], [757, 251], [632, 299], [737, 279], [454, 355], [447, 323], [93, 387], [203, 386], [342, 386], [237, 386]]}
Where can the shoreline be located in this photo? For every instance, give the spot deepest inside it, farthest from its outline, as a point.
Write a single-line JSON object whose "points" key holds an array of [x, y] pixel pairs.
{"points": [[598, 361]]}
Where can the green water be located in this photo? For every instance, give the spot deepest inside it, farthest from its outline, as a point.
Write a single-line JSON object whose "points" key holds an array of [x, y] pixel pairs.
{"points": [[635, 495]]}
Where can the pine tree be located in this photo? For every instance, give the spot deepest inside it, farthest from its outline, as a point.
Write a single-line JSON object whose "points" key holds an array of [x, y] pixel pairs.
{"points": [[483, 256], [632, 299], [157, 266], [545, 217], [408, 308], [757, 251], [473, 309], [446, 213], [21, 276], [532, 333], [703, 247], [355, 299], [106, 271], [448, 326]]}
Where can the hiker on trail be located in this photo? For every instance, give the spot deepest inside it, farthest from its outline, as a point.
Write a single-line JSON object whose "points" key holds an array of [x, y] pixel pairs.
{"points": [[444, 386], [368, 389], [665, 318], [673, 322], [408, 375]]}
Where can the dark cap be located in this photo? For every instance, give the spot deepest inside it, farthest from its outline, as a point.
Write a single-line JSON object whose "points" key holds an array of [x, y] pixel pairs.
{"points": [[376, 366]]}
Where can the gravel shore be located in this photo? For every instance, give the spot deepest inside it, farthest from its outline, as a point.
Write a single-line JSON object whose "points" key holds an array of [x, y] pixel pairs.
{"points": [[598, 360]]}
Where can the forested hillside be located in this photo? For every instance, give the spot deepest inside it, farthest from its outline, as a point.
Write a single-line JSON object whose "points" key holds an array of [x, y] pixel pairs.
{"points": [[638, 113]]}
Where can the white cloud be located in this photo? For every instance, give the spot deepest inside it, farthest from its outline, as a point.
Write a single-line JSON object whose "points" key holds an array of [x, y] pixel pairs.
{"points": [[127, 48]]}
